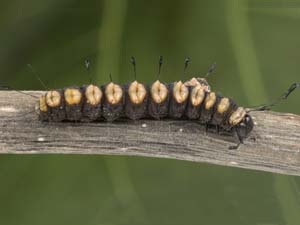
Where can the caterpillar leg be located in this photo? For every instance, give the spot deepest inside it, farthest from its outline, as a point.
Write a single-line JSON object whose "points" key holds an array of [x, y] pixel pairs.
{"points": [[217, 129], [241, 140], [206, 128]]}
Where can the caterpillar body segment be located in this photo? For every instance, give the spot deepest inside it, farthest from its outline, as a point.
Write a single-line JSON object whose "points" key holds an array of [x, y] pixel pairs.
{"points": [[178, 100], [159, 98], [113, 101], [55, 106], [92, 103], [73, 97], [136, 100]]}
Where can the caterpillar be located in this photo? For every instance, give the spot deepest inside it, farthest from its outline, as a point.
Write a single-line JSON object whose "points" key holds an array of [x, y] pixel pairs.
{"points": [[192, 99]]}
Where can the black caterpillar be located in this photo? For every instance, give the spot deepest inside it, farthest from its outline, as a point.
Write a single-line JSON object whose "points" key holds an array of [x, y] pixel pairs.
{"points": [[191, 100]]}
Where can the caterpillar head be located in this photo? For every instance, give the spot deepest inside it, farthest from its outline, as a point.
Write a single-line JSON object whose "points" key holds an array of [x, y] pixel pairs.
{"points": [[242, 121], [245, 126]]}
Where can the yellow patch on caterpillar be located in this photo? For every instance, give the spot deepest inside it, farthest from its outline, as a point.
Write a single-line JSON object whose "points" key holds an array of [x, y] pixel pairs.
{"points": [[73, 96], [113, 93], [93, 94], [137, 92], [237, 116], [159, 92], [223, 105], [180, 92], [197, 95], [43, 104], [210, 100], [53, 98]]}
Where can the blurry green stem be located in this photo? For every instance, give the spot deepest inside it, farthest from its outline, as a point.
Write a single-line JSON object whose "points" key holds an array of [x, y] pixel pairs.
{"points": [[110, 37], [109, 45], [287, 197], [244, 50]]}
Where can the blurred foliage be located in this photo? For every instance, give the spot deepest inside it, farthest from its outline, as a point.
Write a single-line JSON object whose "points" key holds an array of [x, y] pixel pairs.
{"points": [[255, 44]]}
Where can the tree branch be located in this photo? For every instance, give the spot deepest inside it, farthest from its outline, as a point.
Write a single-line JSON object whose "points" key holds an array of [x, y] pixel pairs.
{"points": [[273, 145]]}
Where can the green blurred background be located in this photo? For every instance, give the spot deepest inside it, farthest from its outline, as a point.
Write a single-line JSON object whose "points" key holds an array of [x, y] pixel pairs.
{"points": [[256, 46]]}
